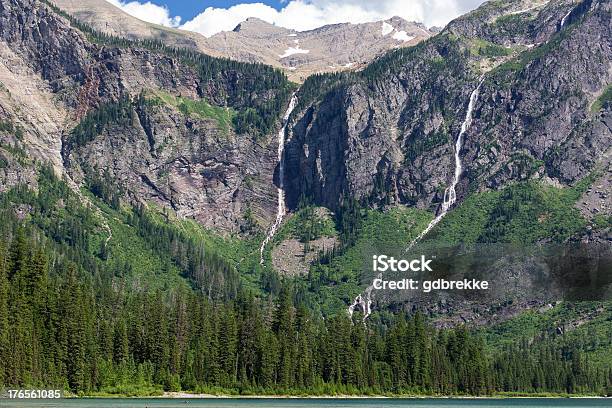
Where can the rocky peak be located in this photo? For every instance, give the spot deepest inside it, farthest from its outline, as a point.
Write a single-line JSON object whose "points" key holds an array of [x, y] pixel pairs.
{"points": [[331, 48], [256, 27]]}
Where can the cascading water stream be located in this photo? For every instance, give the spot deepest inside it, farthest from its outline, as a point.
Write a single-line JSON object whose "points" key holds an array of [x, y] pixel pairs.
{"points": [[450, 194], [450, 198], [364, 301], [564, 19], [281, 210]]}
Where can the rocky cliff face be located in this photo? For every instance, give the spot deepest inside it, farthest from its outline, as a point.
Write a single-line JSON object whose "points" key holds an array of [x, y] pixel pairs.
{"points": [[53, 76], [387, 135]]}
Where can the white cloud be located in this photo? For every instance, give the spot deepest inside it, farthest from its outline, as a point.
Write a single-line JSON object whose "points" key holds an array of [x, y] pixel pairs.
{"points": [[308, 14], [213, 20], [148, 12]]}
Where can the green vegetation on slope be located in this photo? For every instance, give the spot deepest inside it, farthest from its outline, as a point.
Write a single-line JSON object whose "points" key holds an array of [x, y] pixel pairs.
{"points": [[223, 116], [94, 123], [15, 150], [483, 48], [132, 245], [521, 213], [337, 279], [307, 224], [604, 101], [538, 52], [10, 127]]}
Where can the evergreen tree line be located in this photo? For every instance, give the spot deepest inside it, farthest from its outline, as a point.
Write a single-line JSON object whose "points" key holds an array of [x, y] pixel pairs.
{"points": [[535, 368], [210, 273], [61, 328]]}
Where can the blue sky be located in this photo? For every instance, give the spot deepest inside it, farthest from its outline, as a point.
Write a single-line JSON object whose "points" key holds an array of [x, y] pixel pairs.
{"points": [[209, 17], [188, 9]]}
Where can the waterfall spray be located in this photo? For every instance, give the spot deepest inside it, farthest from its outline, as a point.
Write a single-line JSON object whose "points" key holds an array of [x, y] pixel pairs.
{"points": [[281, 210]]}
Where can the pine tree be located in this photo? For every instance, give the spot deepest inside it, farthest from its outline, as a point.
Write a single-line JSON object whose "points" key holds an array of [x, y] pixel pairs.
{"points": [[284, 329], [4, 317], [228, 347], [120, 342]]}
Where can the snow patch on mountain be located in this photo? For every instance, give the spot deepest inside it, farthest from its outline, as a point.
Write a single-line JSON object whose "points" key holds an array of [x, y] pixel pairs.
{"points": [[402, 36], [293, 50], [386, 28]]}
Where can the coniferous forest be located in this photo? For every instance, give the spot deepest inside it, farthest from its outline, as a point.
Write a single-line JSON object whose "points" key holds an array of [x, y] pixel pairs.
{"points": [[62, 327]]}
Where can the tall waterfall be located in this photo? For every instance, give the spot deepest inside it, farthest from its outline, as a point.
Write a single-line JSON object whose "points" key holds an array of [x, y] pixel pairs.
{"points": [[281, 210], [450, 194], [450, 198]]}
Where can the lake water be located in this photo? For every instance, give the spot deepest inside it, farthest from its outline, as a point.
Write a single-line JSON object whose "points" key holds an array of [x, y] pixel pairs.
{"points": [[309, 403]]}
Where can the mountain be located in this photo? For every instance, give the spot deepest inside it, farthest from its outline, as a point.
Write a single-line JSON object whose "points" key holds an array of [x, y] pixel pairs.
{"points": [[526, 85], [139, 180], [182, 144], [537, 116], [326, 49], [329, 48], [109, 19], [197, 135]]}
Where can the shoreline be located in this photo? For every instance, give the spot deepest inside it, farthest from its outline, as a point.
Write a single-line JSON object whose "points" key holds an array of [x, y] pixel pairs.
{"points": [[188, 395]]}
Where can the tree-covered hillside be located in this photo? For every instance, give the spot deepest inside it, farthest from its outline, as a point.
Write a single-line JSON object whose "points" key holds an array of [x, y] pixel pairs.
{"points": [[259, 92], [153, 308], [61, 326]]}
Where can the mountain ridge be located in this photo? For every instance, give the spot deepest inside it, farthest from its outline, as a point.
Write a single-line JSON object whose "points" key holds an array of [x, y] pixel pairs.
{"points": [[466, 54], [267, 43]]}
